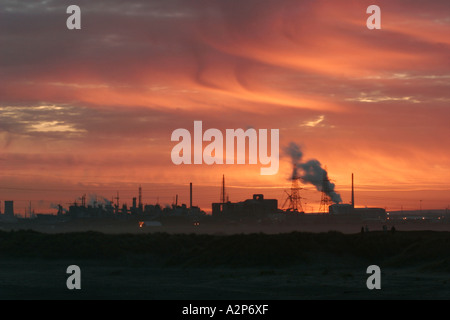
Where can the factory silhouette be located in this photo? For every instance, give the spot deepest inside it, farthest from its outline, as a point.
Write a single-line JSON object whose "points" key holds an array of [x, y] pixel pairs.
{"points": [[256, 209], [110, 209]]}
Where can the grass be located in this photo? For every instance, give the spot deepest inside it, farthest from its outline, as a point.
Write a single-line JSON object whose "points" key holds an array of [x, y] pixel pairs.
{"points": [[425, 248]]}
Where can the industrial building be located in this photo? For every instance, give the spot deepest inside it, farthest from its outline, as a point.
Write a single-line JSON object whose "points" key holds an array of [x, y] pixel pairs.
{"points": [[257, 207], [138, 209], [344, 209], [8, 215], [9, 209]]}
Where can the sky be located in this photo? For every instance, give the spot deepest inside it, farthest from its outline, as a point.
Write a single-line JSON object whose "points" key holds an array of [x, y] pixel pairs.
{"points": [[92, 111]]}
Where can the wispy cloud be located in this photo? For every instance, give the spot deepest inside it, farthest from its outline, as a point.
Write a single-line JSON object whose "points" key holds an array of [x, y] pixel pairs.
{"points": [[53, 126], [313, 123]]}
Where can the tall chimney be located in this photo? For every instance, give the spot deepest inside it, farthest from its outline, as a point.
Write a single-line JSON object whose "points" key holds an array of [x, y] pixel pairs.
{"points": [[190, 201], [140, 196], [353, 194], [223, 189]]}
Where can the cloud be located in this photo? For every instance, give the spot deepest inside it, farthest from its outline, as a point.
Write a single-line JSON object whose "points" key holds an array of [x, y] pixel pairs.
{"points": [[103, 101], [53, 126], [313, 123], [206, 54]]}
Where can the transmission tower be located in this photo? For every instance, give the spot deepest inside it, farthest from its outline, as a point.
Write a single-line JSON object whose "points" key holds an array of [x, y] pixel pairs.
{"points": [[325, 200], [294, 197]]}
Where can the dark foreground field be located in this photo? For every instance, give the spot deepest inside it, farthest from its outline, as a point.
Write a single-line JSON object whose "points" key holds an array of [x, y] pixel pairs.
{"points": [[296, 265]]}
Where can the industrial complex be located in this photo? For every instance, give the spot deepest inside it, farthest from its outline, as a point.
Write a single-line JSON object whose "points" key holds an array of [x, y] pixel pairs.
{"points": [[256, 209]]}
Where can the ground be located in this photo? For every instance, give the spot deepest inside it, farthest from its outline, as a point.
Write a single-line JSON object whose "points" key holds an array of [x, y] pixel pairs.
{"points": [[252, 266]]}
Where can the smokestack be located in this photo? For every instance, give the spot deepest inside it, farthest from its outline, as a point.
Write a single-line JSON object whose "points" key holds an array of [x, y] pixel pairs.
{"points": [[140, 196], [353, 194], [190, 201], [223, 189]]}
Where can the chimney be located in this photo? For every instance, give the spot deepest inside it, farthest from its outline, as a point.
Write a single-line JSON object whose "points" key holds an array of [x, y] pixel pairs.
{"points": [[353, 194], [190, 201], [223, 189], [141, 206]]}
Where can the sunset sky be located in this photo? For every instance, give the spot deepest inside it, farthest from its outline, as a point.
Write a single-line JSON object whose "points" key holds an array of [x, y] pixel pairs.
{"points": [[92, 111]]}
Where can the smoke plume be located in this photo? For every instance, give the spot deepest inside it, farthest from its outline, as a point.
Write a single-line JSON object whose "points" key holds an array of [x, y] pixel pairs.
{"points": [[296, 154], [96, 200], [56, 206], [311, 172]]}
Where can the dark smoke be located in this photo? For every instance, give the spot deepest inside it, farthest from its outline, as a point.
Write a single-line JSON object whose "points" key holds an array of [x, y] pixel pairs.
{"points": [[317, 176], [296, 154], [311, 172], [56, 206]]}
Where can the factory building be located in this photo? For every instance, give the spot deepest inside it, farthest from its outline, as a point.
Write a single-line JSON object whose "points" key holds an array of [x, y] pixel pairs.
{"points": [[83, 211], [257, 207], [341, 209], [344, 209], [9, 209], [377, 214], [8, 215]]}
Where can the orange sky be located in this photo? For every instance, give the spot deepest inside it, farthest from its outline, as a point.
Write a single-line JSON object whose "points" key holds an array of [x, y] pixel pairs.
{"points": [[91, 111]]}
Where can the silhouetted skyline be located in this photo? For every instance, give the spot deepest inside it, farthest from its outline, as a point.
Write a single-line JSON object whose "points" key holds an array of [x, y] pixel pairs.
{"points": [[92, 110]]}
